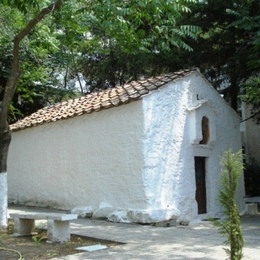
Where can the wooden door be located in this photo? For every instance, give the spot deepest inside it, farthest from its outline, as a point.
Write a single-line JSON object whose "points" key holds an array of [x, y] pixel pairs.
{"points": [[200, 172]]}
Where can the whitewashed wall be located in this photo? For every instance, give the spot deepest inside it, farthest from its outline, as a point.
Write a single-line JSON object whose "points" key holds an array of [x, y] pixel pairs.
{"points": [[164, 126], [171, 116], [138, 158], [226, 135], [80, 161]]}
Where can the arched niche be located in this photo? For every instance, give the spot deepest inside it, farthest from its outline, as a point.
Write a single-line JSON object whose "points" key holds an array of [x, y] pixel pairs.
{"points": [[202, 124], [205, 131]]}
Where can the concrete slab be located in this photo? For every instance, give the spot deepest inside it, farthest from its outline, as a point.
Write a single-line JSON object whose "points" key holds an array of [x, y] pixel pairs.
{"points": [[91, 248], [44, 215]]}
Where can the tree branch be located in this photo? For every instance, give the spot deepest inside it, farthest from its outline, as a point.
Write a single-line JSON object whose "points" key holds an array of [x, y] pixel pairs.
{"points": [[15, 67], [252, 116]]}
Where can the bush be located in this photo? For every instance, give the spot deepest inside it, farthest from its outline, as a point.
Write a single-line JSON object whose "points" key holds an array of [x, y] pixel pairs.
{"points": [[230, 226]]}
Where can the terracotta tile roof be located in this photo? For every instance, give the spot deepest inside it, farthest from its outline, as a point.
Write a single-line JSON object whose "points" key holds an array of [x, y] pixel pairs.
{"points": [[96, 101]]}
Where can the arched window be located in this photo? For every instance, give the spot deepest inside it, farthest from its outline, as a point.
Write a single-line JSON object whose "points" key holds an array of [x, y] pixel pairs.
{"points": [[205, 130]]}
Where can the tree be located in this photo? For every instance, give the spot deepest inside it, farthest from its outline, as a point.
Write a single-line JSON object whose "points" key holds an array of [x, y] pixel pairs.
{"points": [[129, 39], [39, 54], [13, 78], [110, 43], [227, 50], [79, 43], [248, 20], [102, 28], [224, 50]]}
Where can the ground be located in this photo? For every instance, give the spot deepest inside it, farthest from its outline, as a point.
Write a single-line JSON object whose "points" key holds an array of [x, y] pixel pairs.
{"points": [[35, 246]]}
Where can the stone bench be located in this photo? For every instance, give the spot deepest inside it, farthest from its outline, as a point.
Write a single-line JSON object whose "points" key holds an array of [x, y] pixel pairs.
{"points": [[58, 224]]}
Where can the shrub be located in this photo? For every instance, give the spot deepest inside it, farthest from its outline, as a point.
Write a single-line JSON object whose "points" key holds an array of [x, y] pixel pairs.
{"points": [[230, 226]]}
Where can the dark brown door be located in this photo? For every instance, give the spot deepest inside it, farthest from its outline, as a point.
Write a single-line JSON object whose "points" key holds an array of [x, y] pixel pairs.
{"points": [[200, 171]]}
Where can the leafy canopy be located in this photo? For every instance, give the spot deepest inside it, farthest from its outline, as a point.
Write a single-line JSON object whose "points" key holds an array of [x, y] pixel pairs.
{"points": [[101, 41], [141, 25]]}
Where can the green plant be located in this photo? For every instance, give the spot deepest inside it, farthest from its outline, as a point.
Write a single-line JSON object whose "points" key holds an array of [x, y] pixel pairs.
{"points": [[2, 237], [230, 226], [37, 240]]}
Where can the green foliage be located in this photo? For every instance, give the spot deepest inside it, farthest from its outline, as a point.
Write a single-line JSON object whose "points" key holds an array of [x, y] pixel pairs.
{"points": [[37, 240], [140, 26], [248, 21], [38, 58], [227, 50], [21, 5], [108, 42], [128, 39], [230, 227], [251, 92], [113, 42]]}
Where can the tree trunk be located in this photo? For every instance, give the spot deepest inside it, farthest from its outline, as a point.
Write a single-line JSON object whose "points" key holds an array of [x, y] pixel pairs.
{"points": [[5, 134], [5, 139]]}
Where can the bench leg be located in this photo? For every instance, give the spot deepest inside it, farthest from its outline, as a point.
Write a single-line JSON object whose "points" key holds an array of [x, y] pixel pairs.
{"points": [[58, 231], [23, 226]]}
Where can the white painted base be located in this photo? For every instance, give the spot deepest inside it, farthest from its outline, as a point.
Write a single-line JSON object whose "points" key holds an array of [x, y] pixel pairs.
{"points": [[133, 215], [3, 200], [144, 216], [153, 215], [83, 212]]}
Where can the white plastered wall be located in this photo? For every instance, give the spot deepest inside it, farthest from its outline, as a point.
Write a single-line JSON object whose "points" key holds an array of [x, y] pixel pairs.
{"points": [[172, 131], [165, 120], [81, 161], [224, 135]]}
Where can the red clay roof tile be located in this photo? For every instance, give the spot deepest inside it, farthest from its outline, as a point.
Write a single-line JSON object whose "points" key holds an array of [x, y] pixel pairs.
{"points": [[97, 101]]}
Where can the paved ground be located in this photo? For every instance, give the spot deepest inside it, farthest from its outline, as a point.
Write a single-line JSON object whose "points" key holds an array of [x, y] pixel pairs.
{"points": [[197, 241]]}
